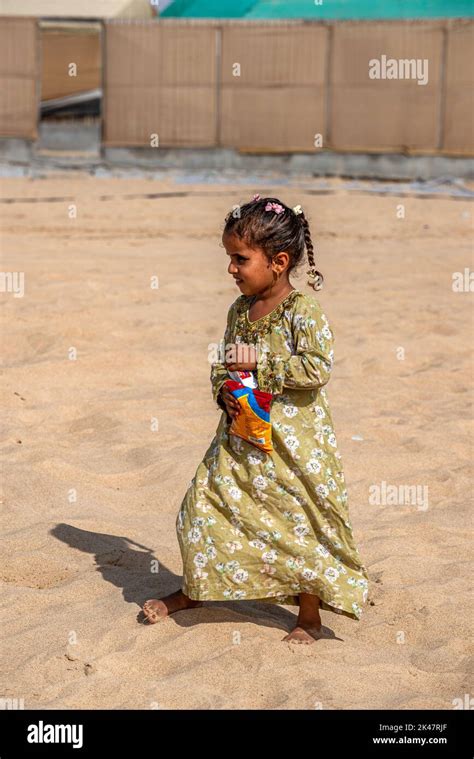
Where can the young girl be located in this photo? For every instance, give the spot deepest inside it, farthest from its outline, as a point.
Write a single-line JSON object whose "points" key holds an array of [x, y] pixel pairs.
{"points": [[271, 526]]}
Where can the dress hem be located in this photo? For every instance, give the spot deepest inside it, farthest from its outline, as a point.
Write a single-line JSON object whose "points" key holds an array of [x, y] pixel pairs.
{"points": [[285, 597]]}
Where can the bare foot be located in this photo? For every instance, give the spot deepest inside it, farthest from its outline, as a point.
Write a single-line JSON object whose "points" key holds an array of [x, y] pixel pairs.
{"points": [[308, 625], [156, 609], [303, 634]]}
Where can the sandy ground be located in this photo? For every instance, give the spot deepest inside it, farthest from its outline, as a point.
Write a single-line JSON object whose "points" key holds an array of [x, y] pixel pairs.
{"points": [[92, 491]]}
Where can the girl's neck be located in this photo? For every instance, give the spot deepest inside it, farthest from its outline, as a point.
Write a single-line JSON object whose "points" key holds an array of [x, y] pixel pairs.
{"points": [[273, 296]]}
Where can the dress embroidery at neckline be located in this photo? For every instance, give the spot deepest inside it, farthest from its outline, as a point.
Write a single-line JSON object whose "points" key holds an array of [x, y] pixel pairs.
{"points": [[270, 312]]}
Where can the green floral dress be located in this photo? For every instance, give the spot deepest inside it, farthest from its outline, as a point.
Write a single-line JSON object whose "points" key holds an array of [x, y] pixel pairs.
{"points": [[268, 526]]}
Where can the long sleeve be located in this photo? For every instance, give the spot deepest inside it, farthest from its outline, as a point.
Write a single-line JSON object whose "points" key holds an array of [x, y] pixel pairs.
{"points": [[310, 365], [219, 371]]}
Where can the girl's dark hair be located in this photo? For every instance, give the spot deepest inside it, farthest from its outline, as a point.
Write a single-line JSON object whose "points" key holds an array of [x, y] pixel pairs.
{"points": [[273, 232]]}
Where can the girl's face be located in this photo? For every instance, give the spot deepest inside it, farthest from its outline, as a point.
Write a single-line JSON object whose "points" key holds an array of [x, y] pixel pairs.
{"points": [[250, 268]]}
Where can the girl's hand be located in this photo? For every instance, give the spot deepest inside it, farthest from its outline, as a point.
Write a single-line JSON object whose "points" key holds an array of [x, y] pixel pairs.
{"points": [[232, 405], [246, 358]]}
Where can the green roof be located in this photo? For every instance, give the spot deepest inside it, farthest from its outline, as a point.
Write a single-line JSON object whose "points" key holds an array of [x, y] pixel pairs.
{"points": [[330, 9]]}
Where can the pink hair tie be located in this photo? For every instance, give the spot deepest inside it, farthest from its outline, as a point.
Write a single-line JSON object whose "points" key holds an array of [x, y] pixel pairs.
{"points": [[274, 207], [255, 198]]}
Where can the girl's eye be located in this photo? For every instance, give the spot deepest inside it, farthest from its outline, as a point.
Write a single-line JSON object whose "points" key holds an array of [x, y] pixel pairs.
{"points": [[241, 259]]}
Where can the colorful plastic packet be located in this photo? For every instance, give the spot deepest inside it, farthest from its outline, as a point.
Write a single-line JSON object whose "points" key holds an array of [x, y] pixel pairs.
{"points": [[253, 422]]}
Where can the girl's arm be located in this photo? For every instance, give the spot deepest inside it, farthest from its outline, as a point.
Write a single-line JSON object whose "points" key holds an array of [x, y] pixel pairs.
{"points": [[310, 367]]}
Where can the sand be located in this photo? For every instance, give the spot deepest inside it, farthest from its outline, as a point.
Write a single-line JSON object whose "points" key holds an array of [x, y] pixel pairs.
{"points": [[93, 354]]}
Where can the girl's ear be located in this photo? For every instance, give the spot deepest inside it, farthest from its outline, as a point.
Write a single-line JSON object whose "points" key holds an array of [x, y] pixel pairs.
{"points": [[282, 259]]}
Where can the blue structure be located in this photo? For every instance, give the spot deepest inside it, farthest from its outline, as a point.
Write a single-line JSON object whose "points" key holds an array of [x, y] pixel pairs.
{"points": [[309, 9]]}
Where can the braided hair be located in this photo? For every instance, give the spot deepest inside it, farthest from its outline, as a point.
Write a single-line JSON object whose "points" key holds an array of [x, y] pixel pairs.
{"points": [[273, 232]]}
